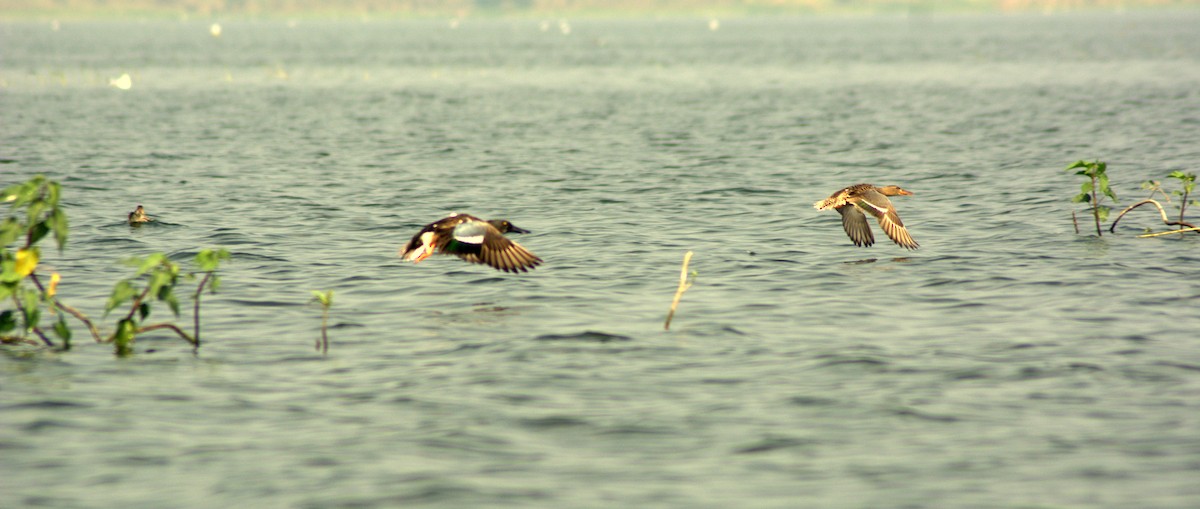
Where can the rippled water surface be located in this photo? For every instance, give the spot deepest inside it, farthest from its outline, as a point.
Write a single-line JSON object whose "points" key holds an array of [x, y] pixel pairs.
{"points": [[1008, 362]]}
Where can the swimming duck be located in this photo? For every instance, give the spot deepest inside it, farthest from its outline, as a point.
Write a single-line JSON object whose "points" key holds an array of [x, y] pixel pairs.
{"points": [[138, 216], [474, 240], [852, 201]]}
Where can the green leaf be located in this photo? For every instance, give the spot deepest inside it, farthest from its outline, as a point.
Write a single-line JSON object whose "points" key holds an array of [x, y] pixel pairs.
{"points": [[123, 337], [8, 319], [11, 193], [209, 259], [173, 303], [29, 303], [150, 262], [1086, 187], [34, 212], [53, 192], [143, 311], [58, 222], [1102, 212], [10, 230], [213, 283], [122, 291], [1082, 198], [1103, 183], [37, 232], [1078, 164], [325, 298], [62, 330]]}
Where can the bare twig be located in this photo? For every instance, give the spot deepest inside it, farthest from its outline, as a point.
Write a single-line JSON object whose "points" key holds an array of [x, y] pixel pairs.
{"points": [[174, 328], [1161, 211], [1075, 221], [1169, 232], [684, 283]]}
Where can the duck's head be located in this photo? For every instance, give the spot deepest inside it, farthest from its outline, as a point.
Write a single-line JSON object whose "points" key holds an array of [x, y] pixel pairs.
{"points": [[505, 227], [895, 191]]}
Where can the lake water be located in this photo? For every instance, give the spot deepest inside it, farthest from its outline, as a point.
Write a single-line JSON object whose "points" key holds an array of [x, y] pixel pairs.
{"points": [[1009, 362]]}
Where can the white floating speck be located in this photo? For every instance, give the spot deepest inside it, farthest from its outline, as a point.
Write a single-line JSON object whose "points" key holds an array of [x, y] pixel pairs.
{"points": [[454, 23], [215, 29], [564, 27], [714, 24], [544, 26], [124, 82]]}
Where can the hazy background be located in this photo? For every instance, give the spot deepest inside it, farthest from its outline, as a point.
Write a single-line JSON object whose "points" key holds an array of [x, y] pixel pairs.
{"points": [[460, 8]]}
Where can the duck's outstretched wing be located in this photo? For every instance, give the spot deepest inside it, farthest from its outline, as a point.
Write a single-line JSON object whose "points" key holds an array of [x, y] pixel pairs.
{"points": [[855, 224], [878, 205], [480, 242]]}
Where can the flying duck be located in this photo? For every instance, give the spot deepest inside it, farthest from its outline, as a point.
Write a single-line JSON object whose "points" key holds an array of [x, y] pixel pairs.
{"points": [[852, 201], [474, 240], [138, 216]]}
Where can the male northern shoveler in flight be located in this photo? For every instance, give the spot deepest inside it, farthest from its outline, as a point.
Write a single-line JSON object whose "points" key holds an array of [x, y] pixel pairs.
{"points": [[474, 240], [852, 201], [138, 216]]}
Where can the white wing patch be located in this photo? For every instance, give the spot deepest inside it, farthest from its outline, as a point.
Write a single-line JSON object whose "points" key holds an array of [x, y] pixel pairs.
{"points": [[471, 232]]}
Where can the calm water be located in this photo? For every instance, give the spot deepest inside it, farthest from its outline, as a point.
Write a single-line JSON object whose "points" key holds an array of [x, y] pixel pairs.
{"points": [[1007, 363]]}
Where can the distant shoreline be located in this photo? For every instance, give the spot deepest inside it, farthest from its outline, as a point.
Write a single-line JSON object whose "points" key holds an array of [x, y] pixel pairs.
{"points": [[33, 10]]}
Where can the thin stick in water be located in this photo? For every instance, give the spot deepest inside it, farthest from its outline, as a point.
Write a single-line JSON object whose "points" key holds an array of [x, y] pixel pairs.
{"points": [[684, 283]]}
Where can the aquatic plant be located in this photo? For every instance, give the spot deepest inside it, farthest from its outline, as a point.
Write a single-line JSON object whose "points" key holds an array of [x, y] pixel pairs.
{"points": [[1093, 190], [1187, 184], [685, 281], [208, 260], [326, 301], [33, 214], [39, 198]]}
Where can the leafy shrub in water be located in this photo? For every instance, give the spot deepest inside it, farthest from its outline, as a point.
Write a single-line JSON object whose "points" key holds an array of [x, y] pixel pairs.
{"points": [[33, 214], [1093, 190]]}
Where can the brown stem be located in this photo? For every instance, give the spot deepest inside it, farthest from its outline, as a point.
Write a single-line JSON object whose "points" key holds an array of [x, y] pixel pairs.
{"points": [[324, 331], [1183, 203], [137, 303], [1095, 206], [21, 309], [172, 327], [196, 307], [1075, 221], [1161, 212], [72, 311]]}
